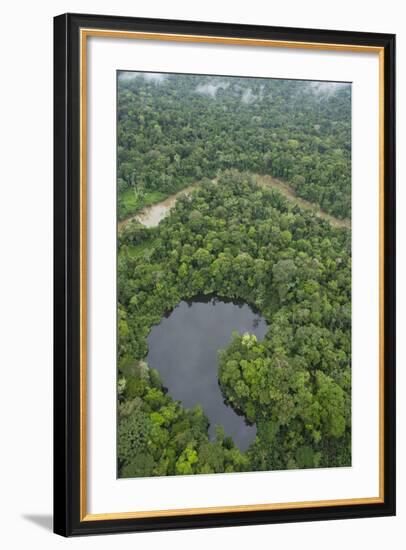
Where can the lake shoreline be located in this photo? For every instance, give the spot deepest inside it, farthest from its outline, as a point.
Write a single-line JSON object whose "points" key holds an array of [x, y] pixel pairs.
{"points": [[205, 325]]}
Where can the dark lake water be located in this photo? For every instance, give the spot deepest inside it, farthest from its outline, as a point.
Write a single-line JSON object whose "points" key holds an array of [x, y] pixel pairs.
{"points": [[184, 348]]}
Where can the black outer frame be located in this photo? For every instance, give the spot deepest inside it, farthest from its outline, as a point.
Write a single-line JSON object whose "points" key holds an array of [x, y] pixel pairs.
{"points": [[67, 275]]}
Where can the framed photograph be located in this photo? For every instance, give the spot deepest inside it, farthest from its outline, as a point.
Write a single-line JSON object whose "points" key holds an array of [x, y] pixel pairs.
{"points": [[224, 274]]}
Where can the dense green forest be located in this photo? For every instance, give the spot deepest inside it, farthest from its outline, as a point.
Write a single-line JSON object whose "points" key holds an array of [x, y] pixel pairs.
{"points": [[176, 129], [237, 240]]}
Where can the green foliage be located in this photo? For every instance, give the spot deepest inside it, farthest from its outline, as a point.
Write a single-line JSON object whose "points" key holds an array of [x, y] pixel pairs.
{"points": [[299, 408], [131, 199], [156, 436], [236, 240], [184, 129]]}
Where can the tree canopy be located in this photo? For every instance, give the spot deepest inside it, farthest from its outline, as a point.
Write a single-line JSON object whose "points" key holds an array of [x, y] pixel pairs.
{"points": [[234, 239], [177, 129]]}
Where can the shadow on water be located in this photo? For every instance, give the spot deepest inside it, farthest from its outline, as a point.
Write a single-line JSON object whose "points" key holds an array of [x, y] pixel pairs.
{"points": [[184, 349]]}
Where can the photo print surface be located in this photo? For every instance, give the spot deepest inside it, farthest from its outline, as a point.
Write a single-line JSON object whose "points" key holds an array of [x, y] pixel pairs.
{"points": [[233, 274]]}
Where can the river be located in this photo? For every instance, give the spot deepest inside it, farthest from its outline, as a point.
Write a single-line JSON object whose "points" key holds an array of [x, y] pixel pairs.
{"points": [[150, 216]]}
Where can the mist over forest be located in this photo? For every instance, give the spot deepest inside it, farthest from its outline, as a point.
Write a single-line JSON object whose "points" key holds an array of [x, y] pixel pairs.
{"points": [[180, 128], [234, 189]]}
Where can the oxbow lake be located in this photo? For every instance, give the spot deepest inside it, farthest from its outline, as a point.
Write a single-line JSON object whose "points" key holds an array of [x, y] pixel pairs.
{"points": [[184, 349]]}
